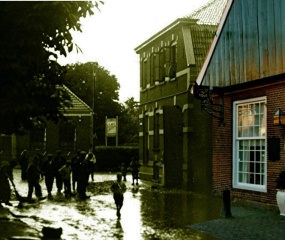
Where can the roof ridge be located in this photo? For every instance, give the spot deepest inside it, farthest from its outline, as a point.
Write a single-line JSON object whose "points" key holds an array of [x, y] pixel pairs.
{"points": [[206, 5], [209, 13]]}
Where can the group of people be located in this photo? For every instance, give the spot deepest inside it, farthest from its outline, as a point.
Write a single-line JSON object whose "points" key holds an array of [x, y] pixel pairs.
{"points": [[68, 174]]}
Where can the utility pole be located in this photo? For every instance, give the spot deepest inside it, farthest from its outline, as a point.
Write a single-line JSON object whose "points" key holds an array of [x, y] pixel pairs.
{"points": [[94, 82], [93, 108]]}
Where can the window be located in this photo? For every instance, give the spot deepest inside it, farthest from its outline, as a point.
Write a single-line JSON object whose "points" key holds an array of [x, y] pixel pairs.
{"points": [[249, 144], [154, 63], [143, 74], [156, 129], [157, 63], [145, 138], [170, 60], [161, 64]]}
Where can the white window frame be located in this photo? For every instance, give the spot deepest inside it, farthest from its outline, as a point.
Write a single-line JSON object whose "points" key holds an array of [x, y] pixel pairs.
{"points": [[236, 139]]}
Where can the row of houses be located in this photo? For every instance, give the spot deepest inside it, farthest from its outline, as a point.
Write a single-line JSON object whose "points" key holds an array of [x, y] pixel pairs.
{"points": [[210, 85]]}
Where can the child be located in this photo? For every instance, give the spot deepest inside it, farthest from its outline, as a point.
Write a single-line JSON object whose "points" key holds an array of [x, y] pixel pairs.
{"points": [[118, 188], [124, 171], [135, 166]]}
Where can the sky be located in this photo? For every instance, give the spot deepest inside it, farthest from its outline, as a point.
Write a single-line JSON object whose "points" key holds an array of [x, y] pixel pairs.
{"points": [[110, 36]]}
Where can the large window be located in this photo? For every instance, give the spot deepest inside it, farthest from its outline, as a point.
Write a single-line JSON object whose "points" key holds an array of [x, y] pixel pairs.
{"points": [[249, 144], [145, 138], [170, 60], [162, 64], [154, 64], [144, 74]]}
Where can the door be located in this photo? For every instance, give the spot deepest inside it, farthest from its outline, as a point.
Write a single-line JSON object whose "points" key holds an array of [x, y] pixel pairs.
{"points": [[173, 146]]}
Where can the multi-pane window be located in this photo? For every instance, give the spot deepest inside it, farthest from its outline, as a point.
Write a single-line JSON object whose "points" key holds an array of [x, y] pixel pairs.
{"points": [[170, 60], [249, 156], [162, 64], [154, 65]]}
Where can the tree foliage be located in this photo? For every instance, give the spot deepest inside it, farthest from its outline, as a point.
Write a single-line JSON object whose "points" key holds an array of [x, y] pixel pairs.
{"points": [[33, 35], [129, 124], [99, 89]]}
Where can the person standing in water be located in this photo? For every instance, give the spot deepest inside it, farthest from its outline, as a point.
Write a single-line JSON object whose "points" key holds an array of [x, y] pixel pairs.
{"points": [[118, 188]]}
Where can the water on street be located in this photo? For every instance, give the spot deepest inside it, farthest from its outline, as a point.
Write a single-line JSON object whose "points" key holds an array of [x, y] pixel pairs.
{"points": [[147, 213]]}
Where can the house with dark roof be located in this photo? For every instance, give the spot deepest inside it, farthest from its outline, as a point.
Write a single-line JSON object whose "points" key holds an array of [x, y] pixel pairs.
{"points": [[175, 135], [244, 73], [68, 136]]}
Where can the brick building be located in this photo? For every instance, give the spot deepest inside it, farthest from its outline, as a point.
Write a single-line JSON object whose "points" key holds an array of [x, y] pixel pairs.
{"points": [[67, 136], [175, 136], [244, 71]]}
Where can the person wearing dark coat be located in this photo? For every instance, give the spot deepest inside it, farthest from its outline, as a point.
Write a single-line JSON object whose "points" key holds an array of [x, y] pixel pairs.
{"points": [[40, 160], [24, 162], [84, 173], [75, 166], [135, 166], [118, 188], [59, 161], [33, 174], [6, 173], [49, 170]]}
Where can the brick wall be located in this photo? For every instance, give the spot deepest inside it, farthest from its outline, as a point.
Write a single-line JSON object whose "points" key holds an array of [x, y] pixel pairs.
{"points": [[274, 90]]}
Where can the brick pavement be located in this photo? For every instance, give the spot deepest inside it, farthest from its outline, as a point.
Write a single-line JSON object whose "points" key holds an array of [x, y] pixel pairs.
{"points": [[247, 222]]}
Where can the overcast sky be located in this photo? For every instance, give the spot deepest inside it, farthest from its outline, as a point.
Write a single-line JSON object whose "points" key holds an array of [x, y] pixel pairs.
{"points": [[110, 36]]}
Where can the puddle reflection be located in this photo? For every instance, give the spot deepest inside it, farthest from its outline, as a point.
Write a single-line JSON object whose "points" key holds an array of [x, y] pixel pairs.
{"points": [[146, 214]]}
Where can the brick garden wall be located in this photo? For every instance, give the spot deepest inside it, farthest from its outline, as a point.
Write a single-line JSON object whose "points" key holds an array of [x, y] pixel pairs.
{"points": [[222, 141]]}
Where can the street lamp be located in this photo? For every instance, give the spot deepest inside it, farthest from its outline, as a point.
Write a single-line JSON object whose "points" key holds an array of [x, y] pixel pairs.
{"points": [[279, 118]]}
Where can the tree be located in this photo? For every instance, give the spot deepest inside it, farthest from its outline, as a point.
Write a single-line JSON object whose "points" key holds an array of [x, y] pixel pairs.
{"points": [[33, 35], [99, 89], [129, 123]]}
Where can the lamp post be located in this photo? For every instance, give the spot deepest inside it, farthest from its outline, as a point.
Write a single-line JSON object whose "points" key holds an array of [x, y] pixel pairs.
{"points": [[279, 118]]}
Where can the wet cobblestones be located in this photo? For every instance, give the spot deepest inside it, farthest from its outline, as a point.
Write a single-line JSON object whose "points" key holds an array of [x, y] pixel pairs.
{"points": [[147, 214]]}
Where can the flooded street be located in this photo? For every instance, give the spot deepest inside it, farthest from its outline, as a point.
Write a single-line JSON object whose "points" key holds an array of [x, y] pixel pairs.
{"points": [[147, 213]]}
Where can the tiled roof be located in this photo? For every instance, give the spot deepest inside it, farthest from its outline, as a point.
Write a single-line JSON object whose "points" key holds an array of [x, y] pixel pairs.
{"points": [[203, 32], [78, 106], [210, 13], [202, 37]]}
